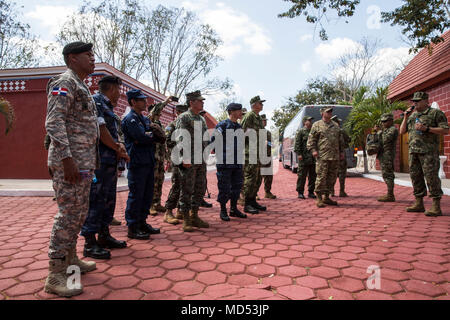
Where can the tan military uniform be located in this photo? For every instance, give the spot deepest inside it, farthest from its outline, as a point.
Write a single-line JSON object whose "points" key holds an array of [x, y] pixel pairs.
{"points": [[72, 126]]}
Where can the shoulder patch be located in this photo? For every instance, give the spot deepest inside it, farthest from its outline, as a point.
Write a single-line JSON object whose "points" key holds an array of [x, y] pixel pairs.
{"points": [[59, 91]]}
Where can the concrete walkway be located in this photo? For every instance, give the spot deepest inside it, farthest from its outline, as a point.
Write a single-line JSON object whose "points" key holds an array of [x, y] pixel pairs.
{"points": [[293, 251]]}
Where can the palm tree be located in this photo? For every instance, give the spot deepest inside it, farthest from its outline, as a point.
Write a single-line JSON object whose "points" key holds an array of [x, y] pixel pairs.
{"points": [[366, 113], [7, 111]]}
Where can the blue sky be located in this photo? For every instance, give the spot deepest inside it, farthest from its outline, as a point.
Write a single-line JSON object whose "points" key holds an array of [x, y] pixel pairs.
{"points": [[263, 54]]}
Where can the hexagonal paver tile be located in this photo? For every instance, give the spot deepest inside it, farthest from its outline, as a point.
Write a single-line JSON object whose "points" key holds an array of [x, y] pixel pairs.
{"points": [[424, 288], [153, 285], [220, 258], [211, 277], [242, 279], [295, 292], [186, 288], [201, 266], [277, 281], [121, 270], [292, 271], [347, 284], [231, 268], [264, 253], [122, 282], [125, 294], [180, 275], [248, 260], [173, 264], [334, 294], [372, 295], [306, 262], [149, 273], [261, 270], [191, 257], [221, 290], [312, 282]]}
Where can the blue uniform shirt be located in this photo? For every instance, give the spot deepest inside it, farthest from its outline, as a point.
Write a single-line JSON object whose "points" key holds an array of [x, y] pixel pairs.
{"points": [[139, 140], [222, 127], [106, 116]]}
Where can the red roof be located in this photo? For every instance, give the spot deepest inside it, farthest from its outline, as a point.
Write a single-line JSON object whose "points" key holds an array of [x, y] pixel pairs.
{"points": [[423, 71]]}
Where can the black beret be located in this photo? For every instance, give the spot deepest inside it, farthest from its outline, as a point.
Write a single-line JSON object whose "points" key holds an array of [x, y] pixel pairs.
{"points": [[77, 47]]}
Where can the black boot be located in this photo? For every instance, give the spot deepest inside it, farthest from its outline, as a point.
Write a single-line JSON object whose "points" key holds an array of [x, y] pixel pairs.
{"points": [[105, 240], [135, 232], [93, 250], [223, 212], [300, 196], [258, 206], [234, 211], [311, 195], [205, 204], [248, 207], [145, 227]]}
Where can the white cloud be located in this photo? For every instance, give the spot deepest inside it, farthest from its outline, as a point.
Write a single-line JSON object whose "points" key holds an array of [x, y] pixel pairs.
{"points": [[330, 51], [236, 29], [52, 17], [306, 66]]}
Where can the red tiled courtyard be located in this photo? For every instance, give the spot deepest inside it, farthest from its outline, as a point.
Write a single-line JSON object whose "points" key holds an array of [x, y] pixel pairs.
{"points": [[293, 251]]}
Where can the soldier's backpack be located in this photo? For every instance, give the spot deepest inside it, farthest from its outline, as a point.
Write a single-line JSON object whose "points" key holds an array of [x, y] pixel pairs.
{"points": [[373, 144]]}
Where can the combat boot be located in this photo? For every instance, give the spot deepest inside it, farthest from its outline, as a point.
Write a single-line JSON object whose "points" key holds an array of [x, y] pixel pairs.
{"points": [[179, 215], [93, 250], [105, 240], [270, 195], [169, 218], [417, 207], [85, 266], [205, 204], [56, 281], [387, 198], [327, 200], [258, 206], [435, 210], [311, 195], [187, 222], [234, 211], [319, 201], [223, 212], [135, 232], [196, 221]]}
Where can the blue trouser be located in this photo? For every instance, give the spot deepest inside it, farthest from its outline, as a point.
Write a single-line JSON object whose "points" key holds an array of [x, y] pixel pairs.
{"points": [[140, 196], [229, 183], [102, 200]]}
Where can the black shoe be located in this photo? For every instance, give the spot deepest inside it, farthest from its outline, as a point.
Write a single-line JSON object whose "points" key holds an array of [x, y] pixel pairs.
{"points": [[258, 206], [250, 209], [224, 215], [312, 195], [105, 240], [145, 227], [234, 212], [205, 204], [134, 232], [93, 250], [301, 196]]}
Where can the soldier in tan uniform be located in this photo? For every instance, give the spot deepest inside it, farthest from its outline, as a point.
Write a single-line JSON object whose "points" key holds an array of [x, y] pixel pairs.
{"points": [[342, 172], [72, 126], [325, 143]]}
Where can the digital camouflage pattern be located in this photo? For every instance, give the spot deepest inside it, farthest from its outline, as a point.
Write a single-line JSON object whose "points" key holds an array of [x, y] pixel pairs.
{"points": [[388, 139], [327, 140], [306, 166], [268, 178], [71, 124], [193, 178], [174, 193], [424, 152], [342, 171]]}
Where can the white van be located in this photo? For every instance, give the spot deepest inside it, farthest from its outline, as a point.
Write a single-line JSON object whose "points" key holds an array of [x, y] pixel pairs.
{"points": [[288, 156]]}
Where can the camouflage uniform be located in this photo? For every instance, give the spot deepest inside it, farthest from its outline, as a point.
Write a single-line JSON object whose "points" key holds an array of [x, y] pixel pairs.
{"points": [[307, 166], [174, 193], [268, 178], [342, 171], [160, 156], [252, 174], [72, 126], [192, 178], [424, 153], [325, 138], [386, 156]]}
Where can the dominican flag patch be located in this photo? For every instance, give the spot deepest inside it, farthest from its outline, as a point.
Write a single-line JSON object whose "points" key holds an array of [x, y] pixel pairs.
{"points": [[57, 91]]}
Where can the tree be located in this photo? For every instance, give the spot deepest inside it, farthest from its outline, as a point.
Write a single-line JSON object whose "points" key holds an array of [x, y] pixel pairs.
{"points": [[317, 91], [167, 46], [17, 44], [366, 113], [421, 21], [7, 110]]}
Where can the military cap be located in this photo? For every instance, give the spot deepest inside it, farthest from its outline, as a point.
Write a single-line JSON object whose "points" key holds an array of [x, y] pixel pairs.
{"points": [[234, 106], [419, 95], [263, 117], [135, 94], [181, 108], [307, 118], [336, 119], [196, 95], [110, 79], [326, 109], [244, 110], [77, 47], [256, 99], [387, 116]]}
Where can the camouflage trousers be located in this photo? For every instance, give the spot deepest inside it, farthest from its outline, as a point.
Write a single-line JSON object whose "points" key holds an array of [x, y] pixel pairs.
{"points": [[342, 173], [303, 171], [267, 177], [327, 171], [192, 187], [159, 180], [252, 180], [387, 171], [73, 205], [174, 193], [425, 167]]}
